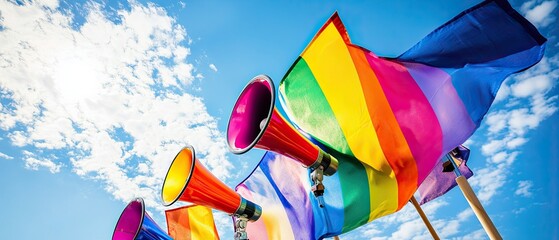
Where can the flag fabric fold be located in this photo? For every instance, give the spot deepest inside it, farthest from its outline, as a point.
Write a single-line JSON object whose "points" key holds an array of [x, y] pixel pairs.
{"points": [[387, 120], [438, 182], [281, 187], [192, 222]]}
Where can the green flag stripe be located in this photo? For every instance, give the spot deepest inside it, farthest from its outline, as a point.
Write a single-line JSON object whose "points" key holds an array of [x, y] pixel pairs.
{"points": [[298, 87]]}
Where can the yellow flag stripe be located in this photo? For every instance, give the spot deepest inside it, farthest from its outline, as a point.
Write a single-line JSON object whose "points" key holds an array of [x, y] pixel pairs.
{"points": [[341, 86], [202, 224]]}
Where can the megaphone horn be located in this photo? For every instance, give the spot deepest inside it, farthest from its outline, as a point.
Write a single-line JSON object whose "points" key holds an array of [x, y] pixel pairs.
{"points": [[255, 122], [188, 180], [135, 223]]}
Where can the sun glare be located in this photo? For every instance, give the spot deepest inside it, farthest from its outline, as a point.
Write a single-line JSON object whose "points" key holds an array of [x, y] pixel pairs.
{"points": [[77, 78]]}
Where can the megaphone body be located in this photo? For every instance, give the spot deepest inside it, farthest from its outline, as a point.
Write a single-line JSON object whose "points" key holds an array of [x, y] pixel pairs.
{"points": [[189, 181], [135, 224], [256, 122]]}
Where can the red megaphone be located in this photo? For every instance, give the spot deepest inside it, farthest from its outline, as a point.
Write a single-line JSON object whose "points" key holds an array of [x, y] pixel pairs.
{"points": [[255, 122], [189, 181]]}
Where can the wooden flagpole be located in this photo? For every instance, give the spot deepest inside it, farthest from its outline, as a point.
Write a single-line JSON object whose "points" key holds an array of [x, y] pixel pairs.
{"points": [[475, 204], [424, 218]]}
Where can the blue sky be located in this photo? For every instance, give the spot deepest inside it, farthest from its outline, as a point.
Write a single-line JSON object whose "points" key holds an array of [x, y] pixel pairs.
{"points": [[96, 97]]}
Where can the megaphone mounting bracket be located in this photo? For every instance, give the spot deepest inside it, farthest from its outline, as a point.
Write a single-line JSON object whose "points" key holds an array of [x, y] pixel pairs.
{"points": [[240, 228], [327, 162], [317, 175]]}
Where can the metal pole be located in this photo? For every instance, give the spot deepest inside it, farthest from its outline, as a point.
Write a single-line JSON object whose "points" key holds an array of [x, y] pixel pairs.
{"points": [[456, 170]]}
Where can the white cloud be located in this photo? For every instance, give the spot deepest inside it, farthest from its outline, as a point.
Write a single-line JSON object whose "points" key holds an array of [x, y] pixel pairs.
{"points": [[503, 93], [465, 215], [516, 142], [6, 156], [477, 234], [103, 94], [524, 188], [489, 180], [223, 224], [522, 120], [451, 227], [543, 106], [496, 121], [143, 168], [17, 137], [371, 230], [504, 157], [414, 229], [499, 157], [213, 67], [530, 86], [540, 15], [408, 225], [34, 163], [529, 104], [492, 147]]}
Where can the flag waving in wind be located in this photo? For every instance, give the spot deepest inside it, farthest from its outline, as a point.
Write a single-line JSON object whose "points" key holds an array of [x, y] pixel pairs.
{"points": [[387, 121], [398, 117], [192, 222]]}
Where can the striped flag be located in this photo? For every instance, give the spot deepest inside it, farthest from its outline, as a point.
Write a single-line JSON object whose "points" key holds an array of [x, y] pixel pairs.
{"points": [[387, 121], [398, 117], [192, 222]]}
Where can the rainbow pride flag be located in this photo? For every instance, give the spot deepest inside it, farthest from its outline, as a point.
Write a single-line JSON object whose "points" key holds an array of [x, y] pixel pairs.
{"points": [[387, 121], [398, 117], [192, 222]]}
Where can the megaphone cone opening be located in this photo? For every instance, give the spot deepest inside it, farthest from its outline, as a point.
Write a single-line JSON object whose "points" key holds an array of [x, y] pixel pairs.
{"points": [[251, 114], [128, 225], [178, 176]]}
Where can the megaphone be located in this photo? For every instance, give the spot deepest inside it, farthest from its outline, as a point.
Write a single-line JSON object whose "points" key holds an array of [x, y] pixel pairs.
{"points": [[188, 180], [135, 223], [255, 122]]}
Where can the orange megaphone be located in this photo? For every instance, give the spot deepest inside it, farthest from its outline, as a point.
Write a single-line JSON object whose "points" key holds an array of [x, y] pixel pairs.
{"points": [[255, 122], [188, 180]]}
